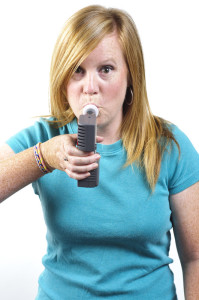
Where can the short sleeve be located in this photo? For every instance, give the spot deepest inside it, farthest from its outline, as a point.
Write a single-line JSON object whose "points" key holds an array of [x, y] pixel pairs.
{"points": [[41, 131], [183, 170]]}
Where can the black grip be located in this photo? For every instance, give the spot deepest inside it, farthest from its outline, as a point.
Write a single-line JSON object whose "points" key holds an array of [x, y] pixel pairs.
{"points": [[86, 141], [91, 181]]}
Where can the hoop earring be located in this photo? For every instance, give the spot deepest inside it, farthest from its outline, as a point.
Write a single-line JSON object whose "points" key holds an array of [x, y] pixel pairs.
{"points": [[129, 95]]}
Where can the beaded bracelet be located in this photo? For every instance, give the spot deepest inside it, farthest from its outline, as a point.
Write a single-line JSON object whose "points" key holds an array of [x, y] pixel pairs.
{"points": [[39, 159]]}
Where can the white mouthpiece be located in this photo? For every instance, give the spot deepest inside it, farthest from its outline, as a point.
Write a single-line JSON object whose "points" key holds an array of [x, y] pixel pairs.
{"points": [[92, 108]]}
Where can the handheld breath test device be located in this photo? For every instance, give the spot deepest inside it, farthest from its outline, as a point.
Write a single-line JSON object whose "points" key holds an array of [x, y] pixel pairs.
{"points": [[86, 141]]}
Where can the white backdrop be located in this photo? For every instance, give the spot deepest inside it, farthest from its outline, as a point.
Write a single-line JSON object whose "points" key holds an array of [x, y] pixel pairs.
{"points": [[28, 31]]}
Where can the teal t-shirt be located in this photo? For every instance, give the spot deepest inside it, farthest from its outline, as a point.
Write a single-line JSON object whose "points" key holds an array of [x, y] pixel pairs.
{"points": [[111, 241]]}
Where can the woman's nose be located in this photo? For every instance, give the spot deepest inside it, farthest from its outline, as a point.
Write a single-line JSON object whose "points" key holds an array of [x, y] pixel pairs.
{"points": [[90, 84]]}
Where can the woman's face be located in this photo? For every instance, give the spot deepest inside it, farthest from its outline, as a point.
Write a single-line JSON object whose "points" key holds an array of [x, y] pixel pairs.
{"points": [[101, 80]]}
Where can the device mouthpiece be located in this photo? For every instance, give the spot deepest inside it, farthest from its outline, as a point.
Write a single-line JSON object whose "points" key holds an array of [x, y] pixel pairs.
{"points": [[90, 109]]}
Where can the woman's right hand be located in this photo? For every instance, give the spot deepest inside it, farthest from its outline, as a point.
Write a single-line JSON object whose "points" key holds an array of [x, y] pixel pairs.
{"points": [[61, 153]]}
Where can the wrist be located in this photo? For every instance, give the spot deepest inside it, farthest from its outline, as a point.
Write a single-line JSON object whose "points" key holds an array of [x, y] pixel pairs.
{"points": [[40, 159], [44, 153]]}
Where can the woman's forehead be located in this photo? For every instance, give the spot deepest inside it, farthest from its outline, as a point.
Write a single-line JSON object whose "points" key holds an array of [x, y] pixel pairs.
{"points": [[108, 48]]}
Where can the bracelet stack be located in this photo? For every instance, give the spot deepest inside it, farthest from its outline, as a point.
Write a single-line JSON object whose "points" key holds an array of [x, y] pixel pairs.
{"points": [[39, 159]]}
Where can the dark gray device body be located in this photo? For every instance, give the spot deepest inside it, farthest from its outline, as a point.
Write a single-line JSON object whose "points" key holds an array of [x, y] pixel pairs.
{"points": [[86, 141]]}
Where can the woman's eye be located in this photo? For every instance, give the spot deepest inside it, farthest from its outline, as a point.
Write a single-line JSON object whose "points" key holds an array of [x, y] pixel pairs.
{"points": [[106, 69], [79, 70]]}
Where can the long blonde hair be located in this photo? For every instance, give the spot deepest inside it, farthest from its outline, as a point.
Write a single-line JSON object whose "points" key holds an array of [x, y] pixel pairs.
{"points": [[145, 136]]}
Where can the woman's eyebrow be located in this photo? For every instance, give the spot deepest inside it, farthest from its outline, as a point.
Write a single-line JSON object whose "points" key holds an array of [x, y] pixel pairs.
{"points": [[109, 60]]}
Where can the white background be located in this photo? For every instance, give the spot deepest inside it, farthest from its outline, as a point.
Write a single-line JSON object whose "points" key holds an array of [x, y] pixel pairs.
{"points": [[28, 31]]}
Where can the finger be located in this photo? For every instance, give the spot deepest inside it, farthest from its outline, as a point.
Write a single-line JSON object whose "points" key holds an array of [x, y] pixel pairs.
{"points": [[77, 176], [81, 169], [74, 151], [83, 160]]}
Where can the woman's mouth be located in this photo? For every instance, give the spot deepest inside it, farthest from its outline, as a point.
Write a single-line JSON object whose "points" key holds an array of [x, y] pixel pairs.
{"points": [[91, 103]]}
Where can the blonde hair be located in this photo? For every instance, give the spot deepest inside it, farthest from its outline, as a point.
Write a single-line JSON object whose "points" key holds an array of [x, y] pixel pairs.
{"points": [[145, 136]]}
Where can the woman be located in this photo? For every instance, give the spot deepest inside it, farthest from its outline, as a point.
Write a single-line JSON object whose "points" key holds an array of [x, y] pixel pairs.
{"points": [[112, 241]]}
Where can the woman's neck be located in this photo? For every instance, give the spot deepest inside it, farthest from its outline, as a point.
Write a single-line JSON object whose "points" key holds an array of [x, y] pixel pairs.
{"points": [[110, 135]]}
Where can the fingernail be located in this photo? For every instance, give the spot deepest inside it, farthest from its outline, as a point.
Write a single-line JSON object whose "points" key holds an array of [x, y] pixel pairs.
{"points": [[95, 165]]}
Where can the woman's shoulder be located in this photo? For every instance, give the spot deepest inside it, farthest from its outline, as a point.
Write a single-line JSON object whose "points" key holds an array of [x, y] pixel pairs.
{"points": [[179, 146], [181, 161], [182, 138], [50, 126], [178, 133], [41, 130]]}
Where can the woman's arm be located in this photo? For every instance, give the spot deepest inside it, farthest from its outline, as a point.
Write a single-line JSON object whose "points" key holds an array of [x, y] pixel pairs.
{"points": [[185, 218], [19, 170], [191, 280], [16, 170]]}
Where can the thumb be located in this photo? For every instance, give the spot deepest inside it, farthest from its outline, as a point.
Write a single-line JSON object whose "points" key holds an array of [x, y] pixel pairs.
{"points": [[99, 139], [73, 138]]}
